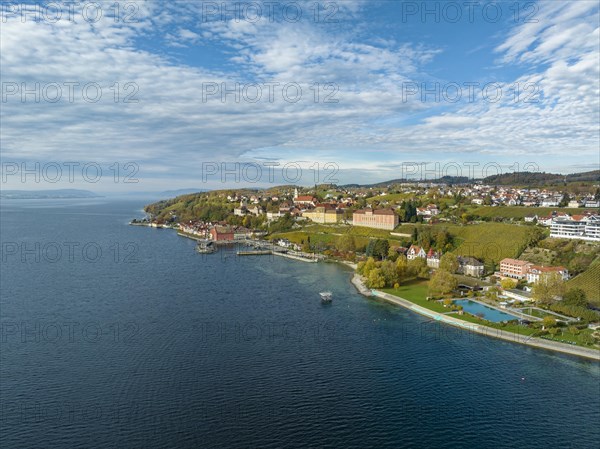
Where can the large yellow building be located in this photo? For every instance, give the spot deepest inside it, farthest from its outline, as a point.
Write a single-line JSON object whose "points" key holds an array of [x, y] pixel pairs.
{"points": [[324, 214]]}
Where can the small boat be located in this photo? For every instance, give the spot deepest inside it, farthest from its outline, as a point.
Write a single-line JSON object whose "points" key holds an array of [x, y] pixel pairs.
{"points": [[205, 247], [326, 296]]}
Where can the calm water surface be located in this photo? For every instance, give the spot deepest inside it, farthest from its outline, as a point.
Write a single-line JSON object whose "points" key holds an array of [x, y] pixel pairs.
{"points": [[120, 336]]}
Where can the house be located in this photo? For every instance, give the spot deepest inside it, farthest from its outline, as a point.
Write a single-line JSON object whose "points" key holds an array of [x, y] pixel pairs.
{"points": [[375, 218], [573, 204], [536, 272], [415, 251], [274, 215], [428, 211], [470, 266], [531, 218], [433, 258], [513, 268], [222, 234]]}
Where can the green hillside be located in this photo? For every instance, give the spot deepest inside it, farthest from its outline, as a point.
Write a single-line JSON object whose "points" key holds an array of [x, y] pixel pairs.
{"points": [[492, 242], [519, 212], [589, 281]]}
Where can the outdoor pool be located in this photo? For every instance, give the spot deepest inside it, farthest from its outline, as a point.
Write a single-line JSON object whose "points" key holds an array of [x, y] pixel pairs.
{"points": [[488, 313]]}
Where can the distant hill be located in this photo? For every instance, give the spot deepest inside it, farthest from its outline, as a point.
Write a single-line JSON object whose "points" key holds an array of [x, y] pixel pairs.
{"points": [[541, 179], [46, 194], [173, 193], [533, 179]]}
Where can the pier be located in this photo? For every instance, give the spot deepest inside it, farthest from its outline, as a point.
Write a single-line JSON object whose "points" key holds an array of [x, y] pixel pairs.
{"points": [[255, 253]]}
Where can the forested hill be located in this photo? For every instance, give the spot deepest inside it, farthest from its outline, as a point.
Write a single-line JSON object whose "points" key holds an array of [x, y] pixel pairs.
{"points": [[540, 179], [530, 179]]}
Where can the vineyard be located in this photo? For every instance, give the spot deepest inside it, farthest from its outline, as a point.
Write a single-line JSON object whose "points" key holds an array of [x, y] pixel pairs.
{"points": [[589, 281], [517, 212], [492, 242]]}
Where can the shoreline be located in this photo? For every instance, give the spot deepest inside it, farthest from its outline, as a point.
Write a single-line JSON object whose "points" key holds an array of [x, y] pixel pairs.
{"points": [[536, 342]]}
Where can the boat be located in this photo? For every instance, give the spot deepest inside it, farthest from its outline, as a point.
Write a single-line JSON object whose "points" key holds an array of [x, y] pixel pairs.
{"points": [[205, 247], [326, 296]]}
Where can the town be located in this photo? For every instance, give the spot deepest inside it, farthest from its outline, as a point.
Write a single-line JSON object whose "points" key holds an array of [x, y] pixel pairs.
{"points": [[533, 253]]}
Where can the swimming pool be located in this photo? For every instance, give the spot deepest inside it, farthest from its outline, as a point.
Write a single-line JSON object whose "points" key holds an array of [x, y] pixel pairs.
{"points": [[488, 313]]}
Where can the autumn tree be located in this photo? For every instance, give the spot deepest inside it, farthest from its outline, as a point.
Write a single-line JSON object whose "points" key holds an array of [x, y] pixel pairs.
{"points": [[442, 283], [418, 267], [402, 267], [375, 279], [548, 287], [449, 263], [508, 284]]}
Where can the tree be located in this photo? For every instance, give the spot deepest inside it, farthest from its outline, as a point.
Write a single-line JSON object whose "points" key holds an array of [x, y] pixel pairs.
{"points": [[418, 267], [393, 253], [389, 272], [575, 297], [548, 321], [402, 267], [345, 243], [548, 288], [375, 279], [366, 267], [381, 248], [442, 283], [564, 202], [508, 284], [449, 263]]}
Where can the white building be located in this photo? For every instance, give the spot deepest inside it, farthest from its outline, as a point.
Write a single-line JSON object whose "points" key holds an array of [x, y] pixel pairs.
{"points": [[577, 227]]}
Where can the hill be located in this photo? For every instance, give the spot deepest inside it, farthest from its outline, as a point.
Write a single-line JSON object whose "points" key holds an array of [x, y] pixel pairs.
{"points": [[46, 194], [531, 179], [492, 242], [589, 281], [534, 179]]}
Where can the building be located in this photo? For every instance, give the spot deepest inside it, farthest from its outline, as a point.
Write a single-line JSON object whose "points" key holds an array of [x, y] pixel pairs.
{"points": [[324, 213], [415, 251], [304, 200], [592, 230], [584, 227], [222, 234], [513, 268], [375, 218], [536, 272], [428, 211], [470, 266], [433, 258]]}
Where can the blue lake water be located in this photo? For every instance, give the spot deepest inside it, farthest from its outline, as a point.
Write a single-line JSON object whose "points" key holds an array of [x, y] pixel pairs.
{"points": [[122, 336], [488, 313]]}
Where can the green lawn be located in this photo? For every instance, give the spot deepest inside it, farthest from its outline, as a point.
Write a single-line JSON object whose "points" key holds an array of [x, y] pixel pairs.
{"points": [[564, 336], [416, 292]]}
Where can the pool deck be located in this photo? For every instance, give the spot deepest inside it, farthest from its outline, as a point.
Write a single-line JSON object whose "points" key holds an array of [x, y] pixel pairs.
{"points": [[587, 353]]}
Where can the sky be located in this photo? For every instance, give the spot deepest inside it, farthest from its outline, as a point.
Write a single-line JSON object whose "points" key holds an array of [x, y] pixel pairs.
{"points": [[151, 96]]}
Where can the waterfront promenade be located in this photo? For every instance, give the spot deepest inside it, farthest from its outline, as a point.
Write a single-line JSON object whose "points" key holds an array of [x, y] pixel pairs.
{"points": [[588, 353]]}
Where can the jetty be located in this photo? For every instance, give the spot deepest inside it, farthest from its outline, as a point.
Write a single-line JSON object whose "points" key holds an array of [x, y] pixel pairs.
{"points": [[255, 253]]}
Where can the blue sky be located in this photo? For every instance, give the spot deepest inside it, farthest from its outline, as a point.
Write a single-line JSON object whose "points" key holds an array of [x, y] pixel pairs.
{"points": [[371, 58]]}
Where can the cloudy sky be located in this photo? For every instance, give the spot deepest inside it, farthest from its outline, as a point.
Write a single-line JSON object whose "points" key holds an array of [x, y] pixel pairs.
{"points": [[363, 91]]}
